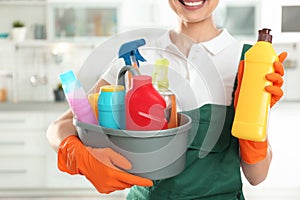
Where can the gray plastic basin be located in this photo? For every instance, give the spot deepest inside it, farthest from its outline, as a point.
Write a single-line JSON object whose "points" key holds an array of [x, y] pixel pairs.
{"points": [[153, 154]]}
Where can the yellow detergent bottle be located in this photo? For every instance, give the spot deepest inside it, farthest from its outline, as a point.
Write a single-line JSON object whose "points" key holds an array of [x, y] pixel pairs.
{"points": [[161, 83], [252, 110]]}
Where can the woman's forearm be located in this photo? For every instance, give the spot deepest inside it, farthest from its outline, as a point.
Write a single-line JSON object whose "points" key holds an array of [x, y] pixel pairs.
{"points": [[257, 173], [60, 129]]}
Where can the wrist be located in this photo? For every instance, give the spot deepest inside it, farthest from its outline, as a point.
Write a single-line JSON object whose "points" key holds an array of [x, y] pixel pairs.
{"points": [[67, 153], [253, 152]]}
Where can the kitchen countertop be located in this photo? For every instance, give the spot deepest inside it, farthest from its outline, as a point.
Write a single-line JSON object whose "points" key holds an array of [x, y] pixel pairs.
{"points": [[34, 106], [62, 106]]}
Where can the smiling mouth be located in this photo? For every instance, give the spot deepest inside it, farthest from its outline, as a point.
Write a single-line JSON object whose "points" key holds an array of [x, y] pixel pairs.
{"points": [[192, 3]]}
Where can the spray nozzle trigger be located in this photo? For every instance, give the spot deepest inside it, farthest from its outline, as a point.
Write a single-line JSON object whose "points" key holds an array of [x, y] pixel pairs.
{"points": [[130, 53]]}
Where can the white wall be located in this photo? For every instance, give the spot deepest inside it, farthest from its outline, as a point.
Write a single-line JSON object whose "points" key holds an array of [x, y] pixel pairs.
{"points": [[137, 13]]}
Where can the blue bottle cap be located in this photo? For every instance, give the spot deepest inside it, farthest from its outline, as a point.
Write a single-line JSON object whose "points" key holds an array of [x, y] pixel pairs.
{"points": [[67, 77]]}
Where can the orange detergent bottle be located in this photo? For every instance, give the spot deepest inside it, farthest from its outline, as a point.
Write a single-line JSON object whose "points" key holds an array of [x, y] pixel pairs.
{"points": [[252, 110]]}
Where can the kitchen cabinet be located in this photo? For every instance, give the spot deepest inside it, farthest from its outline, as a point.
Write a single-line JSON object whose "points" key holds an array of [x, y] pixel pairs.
{"points": [[82, 20], [284, 19], [30, 12], [22, 2], [18, 172], [27, 160], [28, 165], [22, 155], [62, 20]]}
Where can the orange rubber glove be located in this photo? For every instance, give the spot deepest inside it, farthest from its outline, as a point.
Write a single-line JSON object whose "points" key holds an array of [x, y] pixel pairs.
{"points": [[98, 165], [253, 152]]}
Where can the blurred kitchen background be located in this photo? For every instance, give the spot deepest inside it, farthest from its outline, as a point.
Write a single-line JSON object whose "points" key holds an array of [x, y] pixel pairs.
{"points": [[60, 34]]}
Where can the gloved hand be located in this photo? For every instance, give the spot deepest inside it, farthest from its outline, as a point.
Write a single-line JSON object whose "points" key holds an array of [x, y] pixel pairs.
{"points": [[99, 165], [277, 80], [253, 152]]}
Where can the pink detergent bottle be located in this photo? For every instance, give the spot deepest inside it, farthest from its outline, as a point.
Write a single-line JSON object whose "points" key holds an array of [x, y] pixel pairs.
{"points": [[144, 106], [77, 98]]}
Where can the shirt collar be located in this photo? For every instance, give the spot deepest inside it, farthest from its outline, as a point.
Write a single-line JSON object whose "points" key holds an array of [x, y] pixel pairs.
{"points": [[219, 43], [214, 46], [164, 41]]}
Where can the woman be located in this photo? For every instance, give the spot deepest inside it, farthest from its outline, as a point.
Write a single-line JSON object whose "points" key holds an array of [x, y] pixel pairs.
{"points": [[216, 175]]}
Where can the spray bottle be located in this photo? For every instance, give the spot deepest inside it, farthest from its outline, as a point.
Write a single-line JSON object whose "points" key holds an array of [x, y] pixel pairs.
{"points": [[131, 55], [77, 98], [161, 83], [252, 110]]}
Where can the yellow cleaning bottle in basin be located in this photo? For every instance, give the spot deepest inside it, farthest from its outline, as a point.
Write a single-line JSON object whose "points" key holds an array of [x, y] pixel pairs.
{"points": [[161, 83], [252, 110]]}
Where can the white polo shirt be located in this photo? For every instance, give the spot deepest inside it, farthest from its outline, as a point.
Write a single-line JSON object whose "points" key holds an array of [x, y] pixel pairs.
{"points": [[205, 76]]}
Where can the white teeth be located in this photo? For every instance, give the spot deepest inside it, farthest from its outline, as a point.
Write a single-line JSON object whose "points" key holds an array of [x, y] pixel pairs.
{"points": [[198, 3]]}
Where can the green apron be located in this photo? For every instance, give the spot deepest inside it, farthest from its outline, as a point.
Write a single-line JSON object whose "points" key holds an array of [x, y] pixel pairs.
{"points": [[215, 176]]}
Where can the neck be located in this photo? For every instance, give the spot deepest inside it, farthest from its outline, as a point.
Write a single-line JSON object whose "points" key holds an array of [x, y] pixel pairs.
{"points": [[202, 31]]}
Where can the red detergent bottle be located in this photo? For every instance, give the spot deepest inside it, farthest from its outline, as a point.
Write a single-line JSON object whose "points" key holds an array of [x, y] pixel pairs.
{"points": [[144, 106]]}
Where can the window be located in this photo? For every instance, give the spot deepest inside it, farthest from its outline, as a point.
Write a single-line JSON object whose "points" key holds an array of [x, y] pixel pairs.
{"points": [[290, 19]]}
